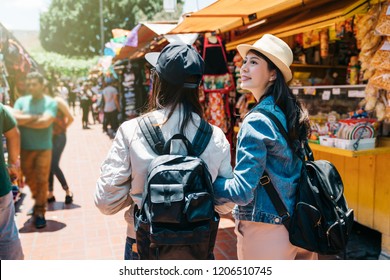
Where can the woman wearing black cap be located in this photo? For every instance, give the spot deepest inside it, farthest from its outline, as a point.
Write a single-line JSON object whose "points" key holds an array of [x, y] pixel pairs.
{"points": [[176, 107], [261, 147]]}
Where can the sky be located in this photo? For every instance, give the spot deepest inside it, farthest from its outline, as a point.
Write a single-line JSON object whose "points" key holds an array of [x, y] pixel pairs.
{"points": [[24, 14]]}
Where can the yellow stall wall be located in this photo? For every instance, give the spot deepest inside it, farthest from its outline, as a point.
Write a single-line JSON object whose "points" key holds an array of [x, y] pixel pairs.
{"points": [[366, 178]]}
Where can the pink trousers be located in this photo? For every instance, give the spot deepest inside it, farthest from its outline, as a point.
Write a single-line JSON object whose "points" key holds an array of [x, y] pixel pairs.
{"points": [[261, 241]]}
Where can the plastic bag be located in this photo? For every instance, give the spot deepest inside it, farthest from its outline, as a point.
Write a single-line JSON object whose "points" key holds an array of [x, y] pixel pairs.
{"points": [[381, 79], [383, 25], [381, 59]]}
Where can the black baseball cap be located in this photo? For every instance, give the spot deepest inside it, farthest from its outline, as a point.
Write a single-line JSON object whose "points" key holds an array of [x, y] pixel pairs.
{"points": [[176, 63]]}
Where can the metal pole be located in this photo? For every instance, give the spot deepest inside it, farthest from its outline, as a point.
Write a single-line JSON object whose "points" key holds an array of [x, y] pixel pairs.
{"points": [[101, 27]]}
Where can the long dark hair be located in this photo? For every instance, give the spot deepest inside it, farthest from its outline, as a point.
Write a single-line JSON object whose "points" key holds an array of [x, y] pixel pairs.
{"points": [[166, 95], [297, 119]]}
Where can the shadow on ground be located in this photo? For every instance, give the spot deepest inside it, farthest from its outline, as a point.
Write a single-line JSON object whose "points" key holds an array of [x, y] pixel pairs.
{"points": [[56, 206], [364, 244], [51, 226]]}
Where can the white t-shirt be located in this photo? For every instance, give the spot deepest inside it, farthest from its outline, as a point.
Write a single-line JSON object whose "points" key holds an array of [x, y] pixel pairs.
{"points": [[64, 92], [109, 94]]}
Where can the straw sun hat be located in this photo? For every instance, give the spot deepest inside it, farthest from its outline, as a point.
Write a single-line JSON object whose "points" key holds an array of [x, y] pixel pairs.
{"points": [[275, 50]]}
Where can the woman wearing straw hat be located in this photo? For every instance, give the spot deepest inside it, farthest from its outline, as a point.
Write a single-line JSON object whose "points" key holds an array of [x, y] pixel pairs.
{"points": [[261, 147]]}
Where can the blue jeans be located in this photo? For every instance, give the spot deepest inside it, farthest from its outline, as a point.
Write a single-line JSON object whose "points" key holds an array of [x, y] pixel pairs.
{"points": [[129, 254], [59, 142], [10, 246]]}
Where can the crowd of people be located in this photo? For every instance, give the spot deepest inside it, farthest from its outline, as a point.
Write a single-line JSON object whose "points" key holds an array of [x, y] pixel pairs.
{"points": [[35, 132], [42, 122]]}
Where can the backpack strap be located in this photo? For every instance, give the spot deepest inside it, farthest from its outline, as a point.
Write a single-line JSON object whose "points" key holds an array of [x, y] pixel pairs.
{"points": [[154, 137], [277, 123], [152, 132], [202, 137], [274, 196], [266, 182], [306, 148]]}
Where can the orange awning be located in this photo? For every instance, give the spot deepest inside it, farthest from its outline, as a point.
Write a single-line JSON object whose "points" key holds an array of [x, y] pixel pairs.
{"points": [[244, 8], [209, 24], [304, 20], [117, 32], [225, 15]]}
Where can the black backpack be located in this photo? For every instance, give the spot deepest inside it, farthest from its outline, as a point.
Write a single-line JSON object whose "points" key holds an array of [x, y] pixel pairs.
{"points": [[322, 221], [176, 219]]}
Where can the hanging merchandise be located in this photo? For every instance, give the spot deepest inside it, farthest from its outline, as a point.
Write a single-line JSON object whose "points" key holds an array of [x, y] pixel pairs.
{"points": [[133, 95], [218, 85], [4, 86], [373, 32], [129, 93]]}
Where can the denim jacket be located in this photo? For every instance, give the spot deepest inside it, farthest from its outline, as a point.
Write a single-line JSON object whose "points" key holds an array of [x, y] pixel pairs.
{"points": [[260, 147]]}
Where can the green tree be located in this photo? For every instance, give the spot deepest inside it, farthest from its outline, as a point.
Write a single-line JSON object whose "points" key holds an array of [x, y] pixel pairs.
{"points": [[64, 66], [72, 27]]}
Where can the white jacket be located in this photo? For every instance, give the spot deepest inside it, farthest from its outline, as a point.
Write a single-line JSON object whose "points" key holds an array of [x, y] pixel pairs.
{"points": [[124, 171]]}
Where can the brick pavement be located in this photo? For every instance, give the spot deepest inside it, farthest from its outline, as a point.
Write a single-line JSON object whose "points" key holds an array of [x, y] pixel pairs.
{"points": [[79, 231]]}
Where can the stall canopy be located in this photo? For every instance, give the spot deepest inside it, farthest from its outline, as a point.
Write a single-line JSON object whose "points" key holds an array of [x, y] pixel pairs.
{"points": [[153, 36], [304, 20], [139, 37], [225, 15]]}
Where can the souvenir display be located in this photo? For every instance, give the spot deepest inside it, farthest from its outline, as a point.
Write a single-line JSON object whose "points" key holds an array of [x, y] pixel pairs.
{"points": [[373, 30], [383, 26], [218, 85]]}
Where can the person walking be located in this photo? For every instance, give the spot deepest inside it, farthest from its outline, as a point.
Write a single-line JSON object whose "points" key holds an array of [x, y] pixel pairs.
{"points": [[35, 114], [10, 246], [72, 98], [63, 91], [261, 147], [111, 107], [61, 123], [176, 107], [85, 104]]}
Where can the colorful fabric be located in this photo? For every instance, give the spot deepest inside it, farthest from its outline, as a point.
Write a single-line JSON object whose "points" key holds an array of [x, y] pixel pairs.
{"points": [[215, 110], [132, 37]]}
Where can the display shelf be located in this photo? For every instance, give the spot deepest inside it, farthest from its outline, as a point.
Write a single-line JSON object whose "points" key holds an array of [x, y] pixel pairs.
{"points": [[318, 66], [343, 91], [360, 86], [349, 153]]}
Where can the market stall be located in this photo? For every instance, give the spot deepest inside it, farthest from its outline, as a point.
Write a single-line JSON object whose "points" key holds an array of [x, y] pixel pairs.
{"points": [[15, 64], [341, 73]]}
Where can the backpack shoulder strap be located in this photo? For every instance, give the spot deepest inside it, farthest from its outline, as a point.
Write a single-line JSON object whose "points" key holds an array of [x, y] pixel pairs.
{"points": [[306, 148], [202, 137], [152, 132], [266, 182], [274, 196], [276, 122]]}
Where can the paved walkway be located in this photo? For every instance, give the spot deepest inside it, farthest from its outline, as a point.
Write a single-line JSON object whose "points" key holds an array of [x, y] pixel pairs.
{"points": [[80, 231]]}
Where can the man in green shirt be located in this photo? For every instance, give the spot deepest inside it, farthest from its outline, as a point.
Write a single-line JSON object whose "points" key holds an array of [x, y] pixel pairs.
{"points": [[35, 114], [10, 246]]}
